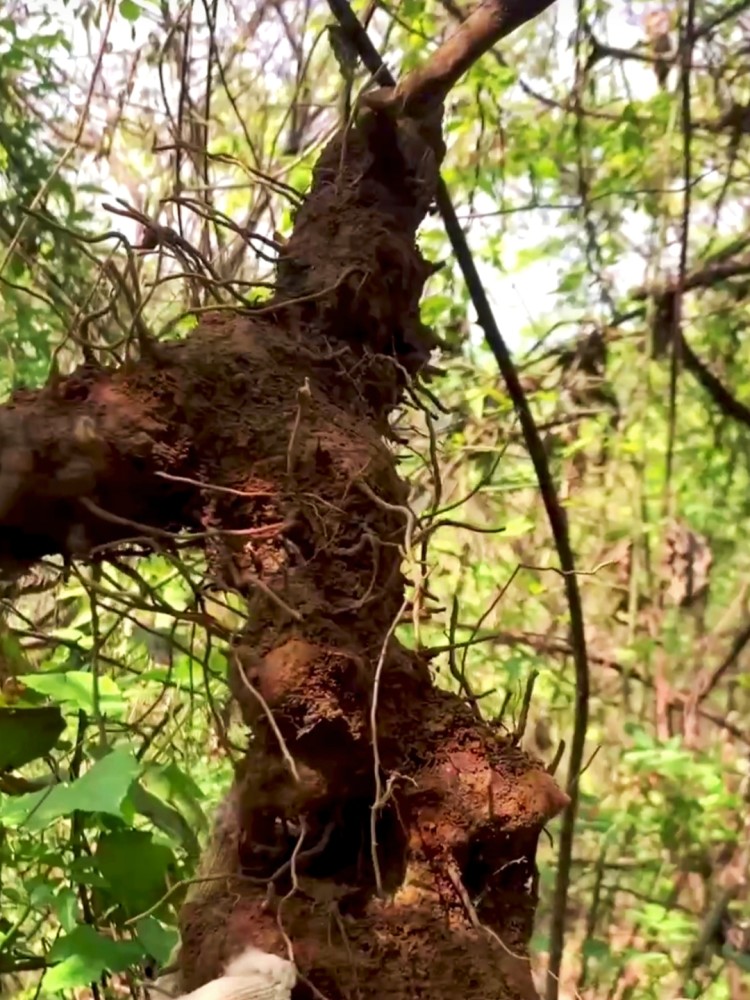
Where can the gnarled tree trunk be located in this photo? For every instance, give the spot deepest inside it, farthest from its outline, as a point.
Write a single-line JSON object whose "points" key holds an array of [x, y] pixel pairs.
{"points": [[264, 432]]}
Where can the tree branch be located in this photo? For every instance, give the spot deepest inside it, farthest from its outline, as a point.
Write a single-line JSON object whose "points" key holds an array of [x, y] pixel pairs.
{"points": [[664, 296], [722, 17], [701, 277], [725, 401], [422, 91], [707, 683]]}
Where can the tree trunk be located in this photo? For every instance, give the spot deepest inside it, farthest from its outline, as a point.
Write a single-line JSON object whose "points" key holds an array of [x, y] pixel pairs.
{"points": [[264, 433]]}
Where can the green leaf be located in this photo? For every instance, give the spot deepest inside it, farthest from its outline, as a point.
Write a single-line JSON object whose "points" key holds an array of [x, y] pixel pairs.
{"points": [[518, 526], [435, 308], [545, 168], [595, 948], [738, 957], [130, 10], [102, 789], [571, 281], [157, 939], [164, 818], [134, 867], [83, 956], [66, 908], [76, 688], [27, 734], [172, 785]]}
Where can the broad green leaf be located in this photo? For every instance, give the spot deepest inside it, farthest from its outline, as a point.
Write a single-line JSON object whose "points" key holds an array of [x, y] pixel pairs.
{"points": [[130, 10], [739, 958], [157, 939], [173, 785], [76, 688], [27, 734], [82, 957], [596, 948], [435, 307], [102, 788], [164, 818], [134, 867], [66, 908], [545, 168]]}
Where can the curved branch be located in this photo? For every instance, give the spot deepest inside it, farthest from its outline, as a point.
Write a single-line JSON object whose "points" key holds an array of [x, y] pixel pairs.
{"points": [[423, 91]]}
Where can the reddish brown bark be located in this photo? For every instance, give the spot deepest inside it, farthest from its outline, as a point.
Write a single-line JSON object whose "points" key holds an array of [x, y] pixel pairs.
{"points": [[287, 407]]}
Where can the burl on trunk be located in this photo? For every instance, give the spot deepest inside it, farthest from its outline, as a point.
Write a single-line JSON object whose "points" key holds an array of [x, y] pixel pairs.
{"points": [[375, 825]]}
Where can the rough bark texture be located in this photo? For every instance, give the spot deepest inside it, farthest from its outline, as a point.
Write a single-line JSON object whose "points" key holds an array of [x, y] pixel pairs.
{"points": [[288, 408]]}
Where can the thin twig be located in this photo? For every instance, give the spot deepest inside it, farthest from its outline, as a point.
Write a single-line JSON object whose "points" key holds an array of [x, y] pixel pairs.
{"points": [[525, 705], [285, 751], [380, 795]]}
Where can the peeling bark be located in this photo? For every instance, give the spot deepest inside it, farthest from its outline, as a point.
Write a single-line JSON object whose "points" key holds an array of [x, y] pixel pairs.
{"points": [[285, 408]]}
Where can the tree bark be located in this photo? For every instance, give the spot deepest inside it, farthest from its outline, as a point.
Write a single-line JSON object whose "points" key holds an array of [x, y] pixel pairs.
{"points": [[264, 434]]}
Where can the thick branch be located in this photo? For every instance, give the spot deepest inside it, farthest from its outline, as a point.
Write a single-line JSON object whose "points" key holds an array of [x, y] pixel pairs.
{"points": [[421, 92]]}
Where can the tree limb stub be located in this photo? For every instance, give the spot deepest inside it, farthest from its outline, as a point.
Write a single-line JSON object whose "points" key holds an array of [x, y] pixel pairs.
{"points": [[421, 92]]}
